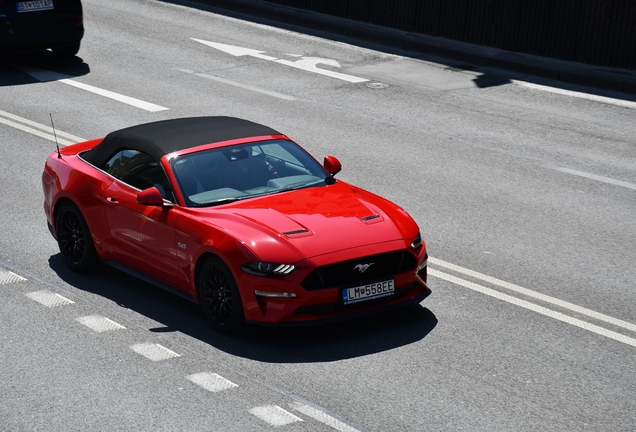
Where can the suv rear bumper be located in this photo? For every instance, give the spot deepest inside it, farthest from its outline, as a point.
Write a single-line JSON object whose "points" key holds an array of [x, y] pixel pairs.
{"points": [[41, 36]]}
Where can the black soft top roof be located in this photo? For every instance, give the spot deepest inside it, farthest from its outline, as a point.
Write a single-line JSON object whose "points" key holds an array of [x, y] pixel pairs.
{"points": [[166, 136]]}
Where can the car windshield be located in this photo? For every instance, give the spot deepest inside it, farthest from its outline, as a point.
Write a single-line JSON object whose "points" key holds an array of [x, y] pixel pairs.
{"points": [[232, 173]]}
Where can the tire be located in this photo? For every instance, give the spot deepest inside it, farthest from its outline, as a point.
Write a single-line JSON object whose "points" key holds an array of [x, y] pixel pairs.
{"points": [[66, 50], [74, 239], [219, 296]]}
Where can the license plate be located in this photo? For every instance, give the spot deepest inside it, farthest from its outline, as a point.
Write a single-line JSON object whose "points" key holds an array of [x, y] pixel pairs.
{"points": [[368, 292], [32, 6]]}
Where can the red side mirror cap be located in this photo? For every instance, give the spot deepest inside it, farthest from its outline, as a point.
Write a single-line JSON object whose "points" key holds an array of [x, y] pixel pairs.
{"points": [[332, 165], [150, 197]]}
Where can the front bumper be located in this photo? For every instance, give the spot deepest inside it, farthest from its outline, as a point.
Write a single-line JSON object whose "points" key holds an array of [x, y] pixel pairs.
{"points": [[296, 299], [328, 313]]}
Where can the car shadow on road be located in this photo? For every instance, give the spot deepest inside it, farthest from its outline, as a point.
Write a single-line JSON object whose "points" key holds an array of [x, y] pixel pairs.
{"points": [[38, 66], [339, 341]]}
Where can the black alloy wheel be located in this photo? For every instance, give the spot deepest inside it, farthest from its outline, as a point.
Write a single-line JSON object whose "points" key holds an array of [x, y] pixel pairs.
{"points": [[219, 296], [74, 238]]}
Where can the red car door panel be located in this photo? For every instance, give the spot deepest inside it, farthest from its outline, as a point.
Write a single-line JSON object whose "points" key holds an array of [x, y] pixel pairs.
{"points": [[142, 237]]}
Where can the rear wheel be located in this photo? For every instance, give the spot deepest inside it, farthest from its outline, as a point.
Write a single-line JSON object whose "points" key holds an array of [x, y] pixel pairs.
{"points": [[219, 296], [74, 238]]}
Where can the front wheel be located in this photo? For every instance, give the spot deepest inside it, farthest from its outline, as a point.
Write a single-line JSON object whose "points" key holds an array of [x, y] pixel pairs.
{"points": [[74, 238], [219, 296]]}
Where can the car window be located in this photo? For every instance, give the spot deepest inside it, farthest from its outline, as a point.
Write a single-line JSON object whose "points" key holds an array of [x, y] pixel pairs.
{"points": [[243, 171], [139, 170], [276, 151]]}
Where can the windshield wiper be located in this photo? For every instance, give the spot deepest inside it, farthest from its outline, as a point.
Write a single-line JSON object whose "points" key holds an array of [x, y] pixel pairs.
{"points": [[220, 201], [300, 185], [293, 186]]}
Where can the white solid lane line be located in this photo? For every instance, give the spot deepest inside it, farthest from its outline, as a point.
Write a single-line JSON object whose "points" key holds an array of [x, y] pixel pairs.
{"points": [[45, 76], [43, 131], [551, 300], [580, 95], [32, 131], [535, 308], [598, 178]]}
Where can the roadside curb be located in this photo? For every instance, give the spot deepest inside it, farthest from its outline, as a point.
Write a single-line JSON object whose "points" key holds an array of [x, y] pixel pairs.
{"points": [[621, 80]]}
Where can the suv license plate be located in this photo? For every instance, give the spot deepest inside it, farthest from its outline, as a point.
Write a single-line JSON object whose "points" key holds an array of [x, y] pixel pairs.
{"points": [[368, 292], [32, 6]]}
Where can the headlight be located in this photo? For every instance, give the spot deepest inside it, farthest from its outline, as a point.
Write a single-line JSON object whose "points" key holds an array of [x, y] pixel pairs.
{"points": [[267, 269], [417, 242]]}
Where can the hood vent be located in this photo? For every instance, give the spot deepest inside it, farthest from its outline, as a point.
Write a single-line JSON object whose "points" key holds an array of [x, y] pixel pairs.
{"points": [[297, 233], [372, 218]]}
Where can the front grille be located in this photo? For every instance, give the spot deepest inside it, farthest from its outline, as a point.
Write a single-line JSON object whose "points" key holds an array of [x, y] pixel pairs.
{"points": [[332, 308], [378, 267]]}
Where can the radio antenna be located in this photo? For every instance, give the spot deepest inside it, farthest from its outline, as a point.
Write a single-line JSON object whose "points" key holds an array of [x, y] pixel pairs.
{"points": [[59, 155]]}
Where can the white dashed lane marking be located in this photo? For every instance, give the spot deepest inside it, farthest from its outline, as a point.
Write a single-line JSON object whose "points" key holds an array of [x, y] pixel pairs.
{"points": [[240, 85], [322, 417], [48, 298], [275, 415], [7, 277], [99, 324], [154, 352], [47, 75], [211, 381]]}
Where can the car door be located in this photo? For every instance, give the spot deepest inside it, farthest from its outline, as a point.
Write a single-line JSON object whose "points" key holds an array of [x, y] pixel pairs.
{"points": [[142, 237]]}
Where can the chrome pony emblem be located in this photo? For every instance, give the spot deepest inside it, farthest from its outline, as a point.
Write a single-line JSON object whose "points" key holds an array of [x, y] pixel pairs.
{"points": [[362, 267]]}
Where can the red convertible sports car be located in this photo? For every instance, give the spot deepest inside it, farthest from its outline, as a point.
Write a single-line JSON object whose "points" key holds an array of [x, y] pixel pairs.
{"points": [[237, 217]]}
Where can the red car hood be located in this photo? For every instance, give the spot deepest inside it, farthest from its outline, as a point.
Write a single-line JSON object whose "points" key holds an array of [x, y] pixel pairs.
{"points": [[309, 222]]}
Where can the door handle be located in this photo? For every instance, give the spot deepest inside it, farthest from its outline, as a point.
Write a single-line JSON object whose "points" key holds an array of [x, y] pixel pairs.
{"points": [[112, 201]]}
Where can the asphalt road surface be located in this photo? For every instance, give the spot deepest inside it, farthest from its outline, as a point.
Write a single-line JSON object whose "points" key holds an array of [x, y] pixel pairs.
{"points": [[525, 192]]}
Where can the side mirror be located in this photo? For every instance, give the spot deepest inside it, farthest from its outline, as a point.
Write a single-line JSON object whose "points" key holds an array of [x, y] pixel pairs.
{"points": [[332, 165], [150, 197]]}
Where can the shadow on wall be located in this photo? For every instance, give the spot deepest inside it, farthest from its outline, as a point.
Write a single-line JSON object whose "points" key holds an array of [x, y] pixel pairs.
{"points": [[344, 340]]}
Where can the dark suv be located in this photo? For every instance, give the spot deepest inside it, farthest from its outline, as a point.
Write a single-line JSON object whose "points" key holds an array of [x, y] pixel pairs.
{"points": [[41, 24]]}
